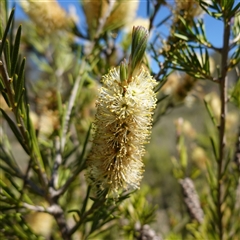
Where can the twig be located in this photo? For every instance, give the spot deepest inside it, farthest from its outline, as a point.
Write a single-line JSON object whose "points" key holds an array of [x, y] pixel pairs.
{"points": [[60, 144], [35, 188], [53, 209], [64, 188], [222, 140], [79, 33], [163, 21], [69, 111], [209, 45], [100, 27], [31, 184], [156, 8], [61, 221], [83, 217], [34, 208], [103, 20], [25, 178], [57, 164], [56, 211]]}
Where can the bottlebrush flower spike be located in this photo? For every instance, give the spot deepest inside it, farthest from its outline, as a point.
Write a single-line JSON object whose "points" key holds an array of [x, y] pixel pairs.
{"points": [[122, 124], [49, 16]]}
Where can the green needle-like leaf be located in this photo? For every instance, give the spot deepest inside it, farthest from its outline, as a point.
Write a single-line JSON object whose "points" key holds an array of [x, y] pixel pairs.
{"points": [[6, 31], [20, 82], [14, 57], [15, 130], [7, 55]]}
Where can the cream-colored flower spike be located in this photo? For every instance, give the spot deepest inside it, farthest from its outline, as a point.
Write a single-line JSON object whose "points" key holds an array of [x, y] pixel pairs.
{"points": [[48, 15], [122, 126]]}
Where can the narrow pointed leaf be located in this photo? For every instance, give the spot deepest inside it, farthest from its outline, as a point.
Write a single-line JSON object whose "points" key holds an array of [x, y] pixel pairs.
{"points": [[210, 113], [84, 205], [214, 148], [6, 31], [7, 56], [20, 81], [14, 57], [5, 96], [7, 190], [15, 130], [7, 169]]}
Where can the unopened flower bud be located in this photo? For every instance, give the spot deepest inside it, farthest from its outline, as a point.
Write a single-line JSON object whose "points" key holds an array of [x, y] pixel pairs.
{"points": [[123, 71], [139, 45]]}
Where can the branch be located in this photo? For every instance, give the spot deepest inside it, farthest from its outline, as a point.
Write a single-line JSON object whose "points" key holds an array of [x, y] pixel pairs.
{"points": [[57, 164], [64, 188], [101, 23], [80, 167], [209, 45], [84, 216], [35, 208], [25, 178], [56, 211], [156, 8], [103, 20], [53, 209], [222, 140], [35, 188], [69, 110], [60, 144]]}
